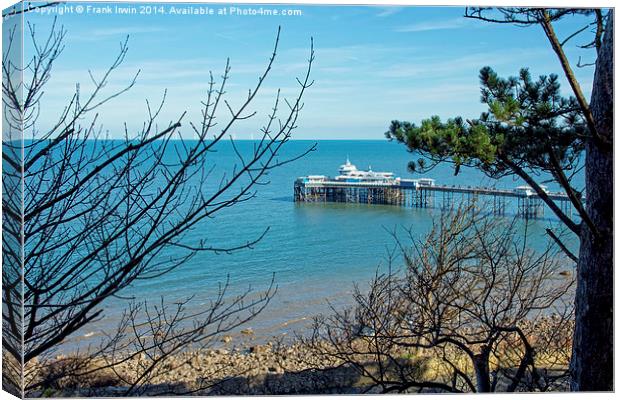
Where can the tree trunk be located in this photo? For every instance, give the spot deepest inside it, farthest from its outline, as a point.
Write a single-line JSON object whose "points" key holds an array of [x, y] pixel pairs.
{"points": [[481, 369], [592, 358]]}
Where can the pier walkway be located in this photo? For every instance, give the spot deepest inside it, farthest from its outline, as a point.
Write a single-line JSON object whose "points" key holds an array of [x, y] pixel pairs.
{"points": [[423, 193]]}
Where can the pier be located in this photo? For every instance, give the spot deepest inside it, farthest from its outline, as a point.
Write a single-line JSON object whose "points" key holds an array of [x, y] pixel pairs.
{"points": [[367, 187]]}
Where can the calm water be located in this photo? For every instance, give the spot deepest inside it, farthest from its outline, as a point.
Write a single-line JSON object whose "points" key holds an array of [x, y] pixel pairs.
{"points": [[316, 251]]}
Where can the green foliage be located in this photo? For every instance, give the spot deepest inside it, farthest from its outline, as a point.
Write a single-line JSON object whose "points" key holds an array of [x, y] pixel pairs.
{"points": [[525, 120]]}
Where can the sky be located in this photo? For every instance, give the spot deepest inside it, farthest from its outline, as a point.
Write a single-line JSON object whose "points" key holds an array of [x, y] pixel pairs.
{"points": [[373, 64]]}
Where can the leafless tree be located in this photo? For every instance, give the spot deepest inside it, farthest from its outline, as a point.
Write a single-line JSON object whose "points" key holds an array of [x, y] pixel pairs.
{"points": [[150, 344], [475, 310], [99, 214], [592, 362], [12, 311], [26, 7]]}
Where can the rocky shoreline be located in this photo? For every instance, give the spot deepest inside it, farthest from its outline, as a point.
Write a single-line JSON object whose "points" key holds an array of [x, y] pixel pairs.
{"points": [[236, 364], [270, 368]]}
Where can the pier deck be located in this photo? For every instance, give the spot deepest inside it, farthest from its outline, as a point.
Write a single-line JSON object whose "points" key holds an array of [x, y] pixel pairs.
{"points": [[411, 193]]}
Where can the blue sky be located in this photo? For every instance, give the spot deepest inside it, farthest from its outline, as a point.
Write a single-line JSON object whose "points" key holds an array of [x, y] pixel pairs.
{"points": [[373, 64]]}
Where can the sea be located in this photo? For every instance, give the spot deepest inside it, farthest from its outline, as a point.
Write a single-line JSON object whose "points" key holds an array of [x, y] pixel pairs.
{"points": [[315, 253]]}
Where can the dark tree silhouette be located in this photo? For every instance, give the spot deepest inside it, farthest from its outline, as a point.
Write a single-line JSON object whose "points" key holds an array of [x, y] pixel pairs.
{"points": [[100, 214], [26, 7], [530, 127], [475, 311]]}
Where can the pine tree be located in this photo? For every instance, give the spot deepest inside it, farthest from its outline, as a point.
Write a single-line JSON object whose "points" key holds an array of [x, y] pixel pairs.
{"points": [[529, 127]]}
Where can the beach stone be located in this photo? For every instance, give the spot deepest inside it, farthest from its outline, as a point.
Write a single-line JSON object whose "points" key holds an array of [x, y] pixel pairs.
{"points": [[276, 369], [258, 349], [226, 339]]}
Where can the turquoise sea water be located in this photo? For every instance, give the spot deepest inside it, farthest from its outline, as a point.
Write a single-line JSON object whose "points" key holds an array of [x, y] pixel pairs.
{"points": [[316, 251]]}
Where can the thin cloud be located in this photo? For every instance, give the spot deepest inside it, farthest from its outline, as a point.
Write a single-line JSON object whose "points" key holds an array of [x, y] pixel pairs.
{"points": [[97, 35], [442, 93], [464, 65], [389, 11], [125, 31], [426, 26]]}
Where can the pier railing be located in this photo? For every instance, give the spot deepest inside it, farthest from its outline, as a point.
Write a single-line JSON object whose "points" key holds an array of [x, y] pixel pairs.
{"points": [[408, 193]]}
